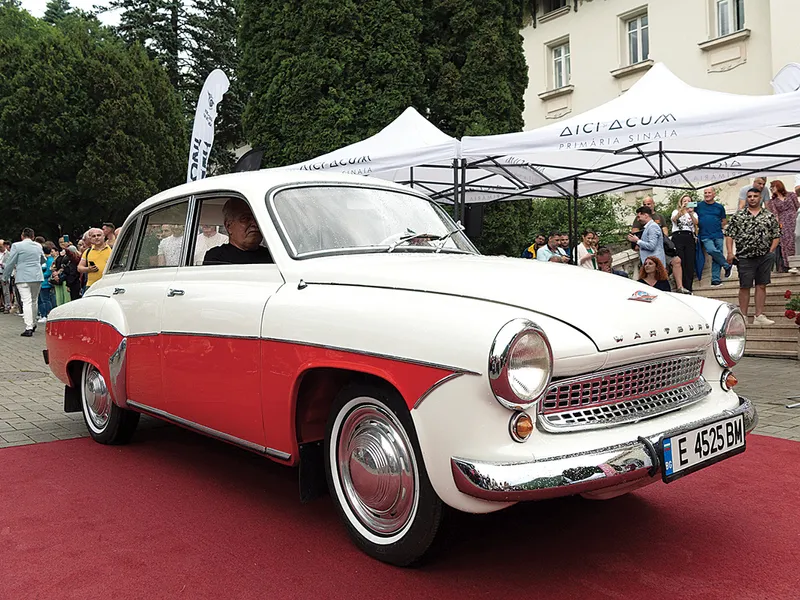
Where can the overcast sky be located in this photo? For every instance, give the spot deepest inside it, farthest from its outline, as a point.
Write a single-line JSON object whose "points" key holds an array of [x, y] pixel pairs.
{"points": [[36, 8]]}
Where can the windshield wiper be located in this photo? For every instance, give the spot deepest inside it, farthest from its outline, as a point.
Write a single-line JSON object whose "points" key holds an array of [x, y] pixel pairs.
{"points": [[410, 237], [447, 236]]}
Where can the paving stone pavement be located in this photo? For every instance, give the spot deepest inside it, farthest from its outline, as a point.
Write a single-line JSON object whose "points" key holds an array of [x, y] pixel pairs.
{"points": [[31, 398]]}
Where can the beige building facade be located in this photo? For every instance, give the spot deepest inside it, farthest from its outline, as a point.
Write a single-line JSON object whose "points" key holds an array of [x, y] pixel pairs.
{"points": [[582, 53]]}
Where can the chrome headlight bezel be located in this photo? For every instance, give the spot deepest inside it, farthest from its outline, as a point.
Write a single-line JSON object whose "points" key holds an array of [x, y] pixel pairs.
{"points": [[499, 356], [725, 315]]}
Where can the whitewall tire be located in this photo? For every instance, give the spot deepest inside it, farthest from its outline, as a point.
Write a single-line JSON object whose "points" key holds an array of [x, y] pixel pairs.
{"points": [[376, 475], [107, 423]]}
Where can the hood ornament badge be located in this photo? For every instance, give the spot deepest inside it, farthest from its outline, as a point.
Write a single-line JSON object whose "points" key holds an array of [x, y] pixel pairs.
{"points": [[642, 296]]}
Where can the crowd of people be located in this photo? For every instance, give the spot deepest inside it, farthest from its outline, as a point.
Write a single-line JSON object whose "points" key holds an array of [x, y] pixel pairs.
{"points": [[38, 275], [760, 235]]}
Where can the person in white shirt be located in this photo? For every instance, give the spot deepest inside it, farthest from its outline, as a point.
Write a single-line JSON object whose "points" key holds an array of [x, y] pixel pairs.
{"points": [[587, 251], [5, 291], [169, 249], [684, 236], [210, 238]]}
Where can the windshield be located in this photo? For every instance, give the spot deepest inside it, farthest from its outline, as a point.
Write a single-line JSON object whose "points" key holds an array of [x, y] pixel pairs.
{"points": [[340, 219]]}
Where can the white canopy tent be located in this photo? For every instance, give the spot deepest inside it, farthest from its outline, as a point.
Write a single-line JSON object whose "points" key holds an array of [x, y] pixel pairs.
{"points": [[413, 151], [660, 133]]}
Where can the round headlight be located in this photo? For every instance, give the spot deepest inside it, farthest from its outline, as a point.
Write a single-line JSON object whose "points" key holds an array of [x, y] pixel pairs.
{"points": [[730, 334], [520, 364]]}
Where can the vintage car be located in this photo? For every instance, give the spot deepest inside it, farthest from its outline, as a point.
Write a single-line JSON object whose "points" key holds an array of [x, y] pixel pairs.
{"points": [[376, 348]]}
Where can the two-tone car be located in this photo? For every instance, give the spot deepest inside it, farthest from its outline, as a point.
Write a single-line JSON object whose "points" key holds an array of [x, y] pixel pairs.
{"points": [[366, 339]]}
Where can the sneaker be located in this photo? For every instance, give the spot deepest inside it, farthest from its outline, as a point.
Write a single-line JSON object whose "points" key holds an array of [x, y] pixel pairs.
{"points": [[684, 291], [793, 271], [728, 270], [27, 333], [716, 283], [44, 319], [762, 320]]}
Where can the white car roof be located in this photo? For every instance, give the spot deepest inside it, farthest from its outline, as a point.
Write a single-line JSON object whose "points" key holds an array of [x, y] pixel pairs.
{"points": [[257, 183]]}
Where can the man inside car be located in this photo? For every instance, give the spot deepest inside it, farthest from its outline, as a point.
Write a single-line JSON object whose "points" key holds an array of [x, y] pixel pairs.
{"points": [[244, 246]]}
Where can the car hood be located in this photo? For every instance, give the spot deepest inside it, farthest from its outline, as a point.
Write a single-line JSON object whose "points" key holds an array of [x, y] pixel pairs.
{"points": [[598, 304]]}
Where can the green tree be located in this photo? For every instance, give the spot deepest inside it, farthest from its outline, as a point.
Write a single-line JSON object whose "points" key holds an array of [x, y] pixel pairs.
{"points": [[56, 10], [88, 127], [324, 74], [212, 28], [159, 26], [474, 64], [510, 227]]}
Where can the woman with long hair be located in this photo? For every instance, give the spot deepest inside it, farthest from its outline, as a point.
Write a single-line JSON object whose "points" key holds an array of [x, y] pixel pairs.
{"points": [[654, 274], [784, 205], [684, 232], [587, 250]]}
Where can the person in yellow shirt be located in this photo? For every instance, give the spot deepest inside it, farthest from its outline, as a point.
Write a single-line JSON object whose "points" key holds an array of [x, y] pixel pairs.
{"points": [[94, 259]]}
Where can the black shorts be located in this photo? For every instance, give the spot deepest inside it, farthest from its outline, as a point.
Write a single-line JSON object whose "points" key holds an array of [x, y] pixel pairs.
{"points": [[755, 269]]}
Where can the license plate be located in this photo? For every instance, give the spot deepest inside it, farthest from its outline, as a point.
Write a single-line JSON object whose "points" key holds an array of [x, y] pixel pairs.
{"points": [[686, 452]]}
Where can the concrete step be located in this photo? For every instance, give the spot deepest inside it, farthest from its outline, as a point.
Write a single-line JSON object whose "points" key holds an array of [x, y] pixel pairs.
{"points": [[783, 280], [732, 291], [791, 354], [776, 333], [769, 346]]}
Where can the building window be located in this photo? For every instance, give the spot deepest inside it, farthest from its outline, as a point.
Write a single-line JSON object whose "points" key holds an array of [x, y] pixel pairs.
{"points": [[638, 34], [561, 65], [549, 6], [730, 16]]}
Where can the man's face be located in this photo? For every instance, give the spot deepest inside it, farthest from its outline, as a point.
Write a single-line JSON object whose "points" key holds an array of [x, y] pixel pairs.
{"points": [[107, 231], [243, 230], [553, 241], [165, 232], [604, 262], [564, 243], [96, 237], [540, 241], [759, 183], [209, 230], [644, 217], [708, 195], [649, 203], [753, 199]]}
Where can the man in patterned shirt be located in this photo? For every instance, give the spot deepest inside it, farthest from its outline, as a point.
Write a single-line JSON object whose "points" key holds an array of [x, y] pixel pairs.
{"points": [[757, 234]]}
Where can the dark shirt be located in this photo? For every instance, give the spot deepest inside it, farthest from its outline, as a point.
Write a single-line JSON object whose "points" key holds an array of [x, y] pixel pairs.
{"points": [[709, 219], [753, 234], [228, 254], [660, 285], [637, 225], [620, 273]]}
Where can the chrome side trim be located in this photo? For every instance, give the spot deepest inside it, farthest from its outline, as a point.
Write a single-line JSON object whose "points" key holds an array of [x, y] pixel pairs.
{"points": [[435, 386], [85, 320], [575, 473], [211, 335], [161, 414], [117, 369]]}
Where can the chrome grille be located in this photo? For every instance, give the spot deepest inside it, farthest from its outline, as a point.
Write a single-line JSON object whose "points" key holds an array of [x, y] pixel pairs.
{"points": [[622, 395]]}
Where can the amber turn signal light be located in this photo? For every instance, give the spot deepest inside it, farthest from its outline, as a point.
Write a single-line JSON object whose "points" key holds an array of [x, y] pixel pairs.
{"points": [[728, 380], [521, 426]]}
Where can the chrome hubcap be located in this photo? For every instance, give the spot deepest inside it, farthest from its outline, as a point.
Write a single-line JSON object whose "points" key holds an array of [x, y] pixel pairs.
{"points": [[377, 469], [96, 398]]}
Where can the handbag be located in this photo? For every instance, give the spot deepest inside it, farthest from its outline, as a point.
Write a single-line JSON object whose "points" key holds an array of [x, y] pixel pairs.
{"points": [[669, 247]]}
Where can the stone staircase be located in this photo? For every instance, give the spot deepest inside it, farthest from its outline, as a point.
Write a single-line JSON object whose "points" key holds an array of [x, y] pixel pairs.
{"points": [[781, 340]]}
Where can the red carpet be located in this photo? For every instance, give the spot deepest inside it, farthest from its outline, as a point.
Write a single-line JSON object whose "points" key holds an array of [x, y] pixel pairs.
{"points": [[175, 515]]}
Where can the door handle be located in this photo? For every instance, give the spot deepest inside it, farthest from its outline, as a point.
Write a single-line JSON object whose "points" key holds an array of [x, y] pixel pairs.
{"points": [[172, 293], [119, 291]]}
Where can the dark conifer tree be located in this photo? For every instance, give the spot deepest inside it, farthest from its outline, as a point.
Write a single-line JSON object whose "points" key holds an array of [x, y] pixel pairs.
{"points": [[56, 10], [323, 74]]}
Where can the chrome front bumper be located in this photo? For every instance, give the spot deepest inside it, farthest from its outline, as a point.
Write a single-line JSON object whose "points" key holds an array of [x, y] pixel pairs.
{"points": [[575, 473]]}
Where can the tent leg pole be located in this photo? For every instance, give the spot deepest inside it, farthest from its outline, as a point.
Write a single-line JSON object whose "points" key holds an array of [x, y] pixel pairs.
{"points": [[464, 192], [455, 189], [569, 222], [574, 241]]}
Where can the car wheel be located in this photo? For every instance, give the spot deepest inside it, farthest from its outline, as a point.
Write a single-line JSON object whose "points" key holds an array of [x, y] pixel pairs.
{"points": [[107, 422], [377, 477]]}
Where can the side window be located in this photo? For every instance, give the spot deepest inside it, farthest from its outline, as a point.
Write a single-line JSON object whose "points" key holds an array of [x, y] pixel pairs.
{"points": [[123, 250], [162, 237], [211, 230]]}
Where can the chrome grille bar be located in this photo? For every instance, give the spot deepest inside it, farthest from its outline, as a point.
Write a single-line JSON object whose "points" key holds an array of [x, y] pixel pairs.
{"points": [[622, 395]]}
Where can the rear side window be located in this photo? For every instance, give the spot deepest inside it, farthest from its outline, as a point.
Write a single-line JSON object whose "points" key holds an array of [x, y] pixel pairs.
{"points": [[162, 237], [123, 250]]}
